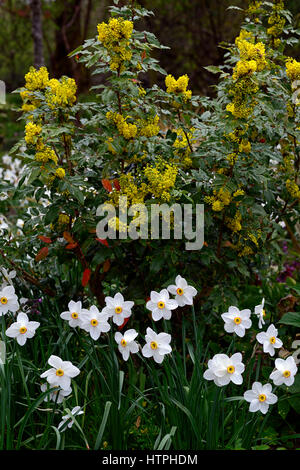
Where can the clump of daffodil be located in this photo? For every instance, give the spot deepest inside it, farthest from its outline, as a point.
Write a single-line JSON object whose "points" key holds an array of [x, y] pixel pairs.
{"points": [[115, 37], [178, 87]]}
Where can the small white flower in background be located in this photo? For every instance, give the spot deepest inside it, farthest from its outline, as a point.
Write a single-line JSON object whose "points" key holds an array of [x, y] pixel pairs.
{"points": [[157, 345], [8, 276], [223, 369], [269, 340], [8, 300], [94, 322], [259, 311], [237, 321], [285, 372], [118, 308], [296, 345], [73, 316], [126, 343], [61, 373], [22, 329], [183, 292], [3, 223], [161, 305], [56, 395], [260, 397], [70, 420]]}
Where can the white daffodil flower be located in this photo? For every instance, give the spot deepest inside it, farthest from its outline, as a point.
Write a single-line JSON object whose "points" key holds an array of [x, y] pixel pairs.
{"points": [[8, 276], [183, 292], [56, 395], [296, 354], [70, 420], [61, 373], [22, 329], [285, 371], [260, 397], [237, 321], [161, 305], [94, 322], [8, 300], [73, 316], [223, 369], [157, 345], [259, 311], [118, 308], [126, 343], [269, 340]]}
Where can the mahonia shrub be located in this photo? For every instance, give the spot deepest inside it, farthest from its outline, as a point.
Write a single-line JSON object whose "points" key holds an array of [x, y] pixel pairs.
{"points": [[237, 154]]}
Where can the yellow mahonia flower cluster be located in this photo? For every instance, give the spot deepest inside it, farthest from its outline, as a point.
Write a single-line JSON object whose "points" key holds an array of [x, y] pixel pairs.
{"points": [[116, 224], [232, 158], [161, 179], [109, 142], [245, 146], [234, 223], [219, 200], [32, 132], [182, 146], [293, 69], [63, 219], [134, 192], [60, 173], [252, 60], [61, 92], [240, 110], [293, 188], [45, 153], [243, 248], [238, 192], [242, 68], [36, 79], [127, 130], [178, 87], [254, 8], [253, 51], [241, 144], [115, 37], [149, 127], [276, 21]]}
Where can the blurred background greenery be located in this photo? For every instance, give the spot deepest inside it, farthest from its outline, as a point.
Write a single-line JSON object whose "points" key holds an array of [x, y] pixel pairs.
{"points": [[194, 30]]}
